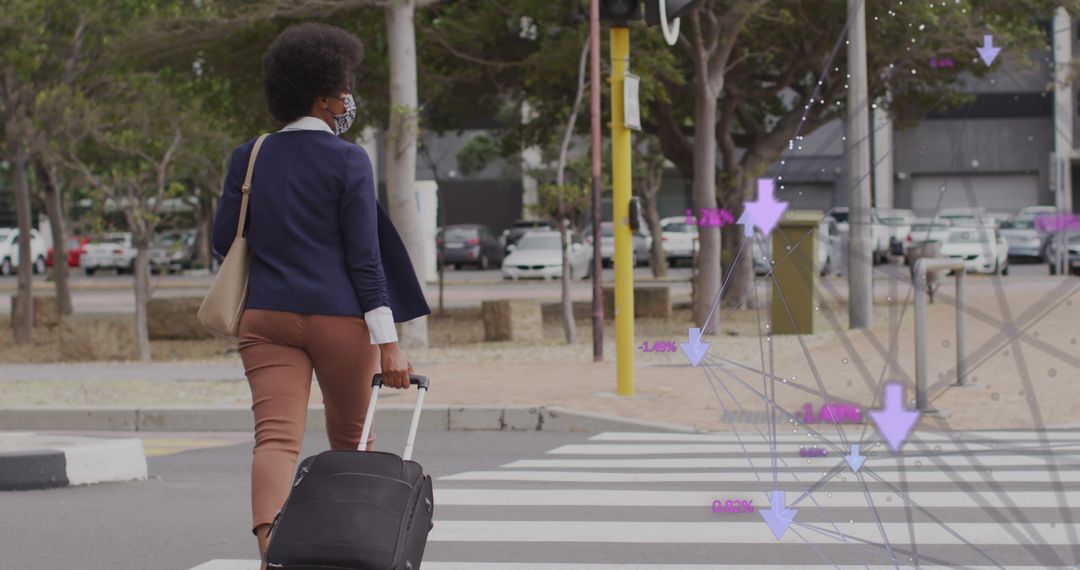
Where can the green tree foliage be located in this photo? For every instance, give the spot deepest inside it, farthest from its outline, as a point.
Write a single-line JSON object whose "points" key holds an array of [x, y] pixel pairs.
{"points": [[476, 154], [772, 91]]}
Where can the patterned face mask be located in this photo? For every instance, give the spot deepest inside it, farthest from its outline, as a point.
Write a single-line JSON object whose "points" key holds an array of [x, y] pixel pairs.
{"points": [[344, 121]]}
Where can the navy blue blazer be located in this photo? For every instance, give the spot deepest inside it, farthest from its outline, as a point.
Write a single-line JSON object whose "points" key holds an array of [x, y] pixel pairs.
{"points": [[321, 242]]}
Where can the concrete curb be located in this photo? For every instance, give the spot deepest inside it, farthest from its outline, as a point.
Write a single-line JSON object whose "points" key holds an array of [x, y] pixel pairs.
{"points": [[394, 417], [32, 461]]}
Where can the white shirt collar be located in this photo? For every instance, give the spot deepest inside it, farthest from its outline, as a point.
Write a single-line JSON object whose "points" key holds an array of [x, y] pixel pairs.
{"points": [[307, 123]]}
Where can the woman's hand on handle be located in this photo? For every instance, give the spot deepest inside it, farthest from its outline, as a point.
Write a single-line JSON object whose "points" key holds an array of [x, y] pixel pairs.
{"points": [[395, 366]]}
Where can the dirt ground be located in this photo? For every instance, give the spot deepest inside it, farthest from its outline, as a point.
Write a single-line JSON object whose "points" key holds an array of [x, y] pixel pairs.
{"points": [[457, 336]]}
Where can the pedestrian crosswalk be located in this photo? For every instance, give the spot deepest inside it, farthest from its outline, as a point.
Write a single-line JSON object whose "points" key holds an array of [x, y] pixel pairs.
{"points": [[643, 501]]}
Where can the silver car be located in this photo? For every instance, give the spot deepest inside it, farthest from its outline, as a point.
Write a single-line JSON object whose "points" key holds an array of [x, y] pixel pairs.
{"points": [[1025, 241], [641, 240]]}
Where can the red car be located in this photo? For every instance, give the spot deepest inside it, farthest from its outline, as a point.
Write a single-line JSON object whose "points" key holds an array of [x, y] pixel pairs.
{"points": [[75, 246]]}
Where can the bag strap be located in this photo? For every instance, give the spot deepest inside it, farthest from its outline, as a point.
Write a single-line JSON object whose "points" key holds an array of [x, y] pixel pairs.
{"points": [[246, 188]]}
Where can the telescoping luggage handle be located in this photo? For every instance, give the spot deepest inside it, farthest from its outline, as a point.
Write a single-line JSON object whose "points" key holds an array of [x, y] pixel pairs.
{"points": [[376, 384]]}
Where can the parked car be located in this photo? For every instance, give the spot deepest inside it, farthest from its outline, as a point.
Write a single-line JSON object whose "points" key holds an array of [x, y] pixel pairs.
{"points": [[1032, 212], [1025, 240], [641, 240], [9, 251], [879, 232], [75, 247], [982, 247], [470, 244], [111, 251], [678, 238], [997, 218], [511, 235], [538, 254], [173, 251], [1073, 262], [963, 216], [828, 248], [924, 230], [897, 227]]}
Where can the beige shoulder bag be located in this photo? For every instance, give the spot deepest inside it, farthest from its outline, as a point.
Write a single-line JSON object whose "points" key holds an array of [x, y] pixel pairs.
{"points": [[224, 303]]}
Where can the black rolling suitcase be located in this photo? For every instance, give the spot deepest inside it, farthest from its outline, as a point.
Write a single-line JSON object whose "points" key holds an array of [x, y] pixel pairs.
{"points": [[356, 509]]}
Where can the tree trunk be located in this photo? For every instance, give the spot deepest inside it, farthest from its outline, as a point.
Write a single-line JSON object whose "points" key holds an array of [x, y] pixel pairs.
{"points": [[55, 211], [401, 150], [658, 261], [569, 325], [707, 286], [740, 288], [142, 299], [22, 322], [203, 245]]}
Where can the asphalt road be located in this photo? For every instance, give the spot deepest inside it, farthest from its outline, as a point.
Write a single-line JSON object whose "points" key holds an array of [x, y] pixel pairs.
{"points": [[195, 506], [637, 501]]}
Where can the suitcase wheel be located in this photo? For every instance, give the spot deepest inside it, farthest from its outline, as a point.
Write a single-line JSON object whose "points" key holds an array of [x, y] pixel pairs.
{"points": [[427, 504]]}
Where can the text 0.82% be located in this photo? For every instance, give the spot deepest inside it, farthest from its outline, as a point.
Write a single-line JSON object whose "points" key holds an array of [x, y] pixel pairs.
{"points": [[738, 506]]}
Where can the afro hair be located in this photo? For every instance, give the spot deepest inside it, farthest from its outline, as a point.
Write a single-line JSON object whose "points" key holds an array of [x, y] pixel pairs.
{"points": [[307, 61]]}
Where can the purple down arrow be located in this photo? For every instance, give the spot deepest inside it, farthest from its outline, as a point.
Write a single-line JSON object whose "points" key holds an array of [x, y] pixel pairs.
{"points": [[894, 423]]}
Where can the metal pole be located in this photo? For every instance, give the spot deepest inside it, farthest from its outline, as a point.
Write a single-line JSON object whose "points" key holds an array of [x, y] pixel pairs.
{"points": [[620, 213], [961, 331], [597, 177], [920, 335], [922, 265], [860, 260]]}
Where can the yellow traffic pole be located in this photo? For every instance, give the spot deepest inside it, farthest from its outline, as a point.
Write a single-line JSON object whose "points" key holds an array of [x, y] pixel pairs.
{"points": [[620, 210]]}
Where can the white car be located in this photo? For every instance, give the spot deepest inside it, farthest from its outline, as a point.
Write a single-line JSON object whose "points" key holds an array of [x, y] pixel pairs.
{"points": [[898, 224], [538, 254], [963, 216], [924, 230], [828, 248], [9, 251], [1032, 212], [679, 238], [641, 254], [983, 249], [113, 251], [879, 232]]}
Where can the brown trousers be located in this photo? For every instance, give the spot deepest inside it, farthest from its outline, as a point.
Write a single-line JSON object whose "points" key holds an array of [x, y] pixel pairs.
{"points": [[280, 350]]}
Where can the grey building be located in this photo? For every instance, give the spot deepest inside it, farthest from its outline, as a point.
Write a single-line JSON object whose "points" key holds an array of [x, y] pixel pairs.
{"points": [[1012, 147]]}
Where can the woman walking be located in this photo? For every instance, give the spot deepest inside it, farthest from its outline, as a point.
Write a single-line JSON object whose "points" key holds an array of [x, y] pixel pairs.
{"points": [[329, 275]]}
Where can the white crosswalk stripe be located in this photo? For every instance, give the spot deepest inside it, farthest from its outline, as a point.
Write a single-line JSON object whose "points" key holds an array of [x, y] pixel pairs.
{"points": [[643, 501]]}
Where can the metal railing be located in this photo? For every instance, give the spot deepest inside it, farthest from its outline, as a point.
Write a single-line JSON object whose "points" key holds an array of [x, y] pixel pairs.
{"points": [[919, 282]]}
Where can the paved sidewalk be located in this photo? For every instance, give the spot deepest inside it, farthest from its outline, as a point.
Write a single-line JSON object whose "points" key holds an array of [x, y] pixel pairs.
{"points": [[38, 461], [1022, 346]]}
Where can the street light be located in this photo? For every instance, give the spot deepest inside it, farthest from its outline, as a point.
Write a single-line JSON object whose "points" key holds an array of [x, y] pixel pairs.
{"points": [[666, 13], [621, 11], [624, 117]]}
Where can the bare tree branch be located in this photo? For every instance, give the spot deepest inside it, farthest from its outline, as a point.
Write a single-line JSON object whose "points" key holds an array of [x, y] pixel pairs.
{"points": [[565, 146], [441, 41]]}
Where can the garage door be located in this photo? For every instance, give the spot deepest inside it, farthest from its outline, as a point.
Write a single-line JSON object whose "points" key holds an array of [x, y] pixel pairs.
{"points": [[807, 196], [996, 193]]}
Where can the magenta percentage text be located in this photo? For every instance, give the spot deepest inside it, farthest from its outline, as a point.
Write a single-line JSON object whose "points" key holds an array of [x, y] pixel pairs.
{"points": [[737, 506], [711, 217], [1057, 222], [832, 414], [660, 346]]}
